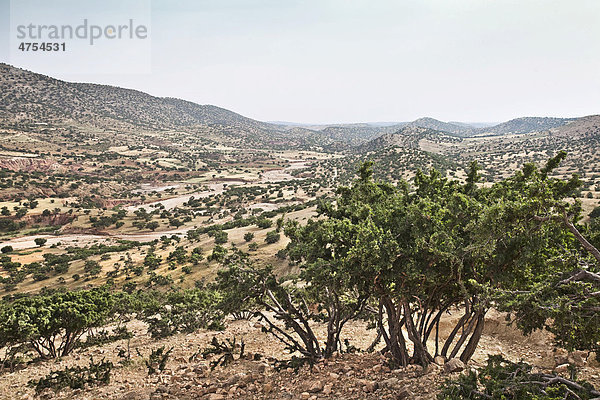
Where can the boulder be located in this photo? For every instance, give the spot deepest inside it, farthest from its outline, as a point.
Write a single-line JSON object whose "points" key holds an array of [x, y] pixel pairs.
{"points": [[454, 365]]}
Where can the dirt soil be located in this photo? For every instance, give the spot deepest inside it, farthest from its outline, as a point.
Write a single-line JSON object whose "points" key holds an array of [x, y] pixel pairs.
{"points": [[346, 376]]}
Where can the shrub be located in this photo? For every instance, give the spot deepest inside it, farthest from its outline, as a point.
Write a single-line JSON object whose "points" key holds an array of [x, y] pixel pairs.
{"points": [[248, 236], [264, 223], [184, 312], [218, 253], [75, 377], [225, 350], [157, 361], [221, 237], [502, 379], [53, 324], [272, 237]]}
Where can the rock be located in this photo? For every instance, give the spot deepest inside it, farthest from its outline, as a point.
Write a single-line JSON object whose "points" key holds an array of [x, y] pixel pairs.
{"points": [[215, 396], [47, 394], [577, 358], [432, 368], [561, 369], [327, 389], [454, 365], [133, 395], [561, 356], [201, 370], [439, 360], [403, 393], [305, 395], [162, 389], [333, 375], [267, 388], [370, 386], [390, 382], [232, 380], [316, 387], [263, 367]]}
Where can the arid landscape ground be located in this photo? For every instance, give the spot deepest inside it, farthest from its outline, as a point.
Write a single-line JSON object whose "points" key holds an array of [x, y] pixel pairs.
{"points": [[107, 186]]}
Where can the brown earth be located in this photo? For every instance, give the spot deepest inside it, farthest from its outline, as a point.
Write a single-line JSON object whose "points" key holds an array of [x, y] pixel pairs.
{"points": [[346, 376]]}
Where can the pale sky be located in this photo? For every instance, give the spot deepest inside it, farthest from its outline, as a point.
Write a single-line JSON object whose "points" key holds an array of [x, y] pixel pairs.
{"points": [[326, 61]]}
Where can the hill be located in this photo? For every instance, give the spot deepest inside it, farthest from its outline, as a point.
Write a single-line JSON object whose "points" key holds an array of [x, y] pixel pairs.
{"points": [[409, 137], [27, 96], [524, 125], [449, 127], [585, 127], [28, 100]]}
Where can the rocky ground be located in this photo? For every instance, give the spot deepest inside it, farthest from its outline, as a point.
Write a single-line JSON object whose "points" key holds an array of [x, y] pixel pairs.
{"points": [[347, 376]]}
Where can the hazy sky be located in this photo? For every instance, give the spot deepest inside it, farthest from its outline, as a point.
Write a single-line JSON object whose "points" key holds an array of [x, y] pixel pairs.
{"points": [[322, 61]]}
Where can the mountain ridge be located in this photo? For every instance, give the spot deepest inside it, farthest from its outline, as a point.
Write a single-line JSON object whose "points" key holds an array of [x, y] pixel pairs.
{"points": [[27, 96]]}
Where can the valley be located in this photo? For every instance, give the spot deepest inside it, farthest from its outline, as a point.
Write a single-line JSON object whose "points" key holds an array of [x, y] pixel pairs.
{"points": [[105, 188]]}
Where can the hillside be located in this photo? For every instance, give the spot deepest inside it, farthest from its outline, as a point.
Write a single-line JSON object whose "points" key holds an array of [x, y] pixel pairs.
{"points": [[27, 96], [585, 127], [408, 136], [524, 125], [453, 128]]}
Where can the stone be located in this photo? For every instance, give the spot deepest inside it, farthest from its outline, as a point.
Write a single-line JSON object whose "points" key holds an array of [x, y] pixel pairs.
{"points": [[267, 388], [315, 387], [561, 356], [390, 382], [370, 386], [327, 389], [162, 389], [577, 358], [439, 360], [454, 365], [305, 395], [403, 393], [562, 369], [263, 367]]}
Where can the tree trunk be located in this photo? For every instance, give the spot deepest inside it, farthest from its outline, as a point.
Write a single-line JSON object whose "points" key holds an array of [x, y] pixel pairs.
{"points": [[474, 340]]}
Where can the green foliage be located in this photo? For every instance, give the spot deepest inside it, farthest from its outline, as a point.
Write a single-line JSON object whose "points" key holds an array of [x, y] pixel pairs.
{"points": [[248, 236], [157, 361], [264, 223], [225, 350], [103, 337], [221, 237], [272, 237], [183, 312], [417, 251], [75, 377], [218, 254], [54, 323], [152, 261], [179, 255], [250, 289], [505, 380], [40, 241]]}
